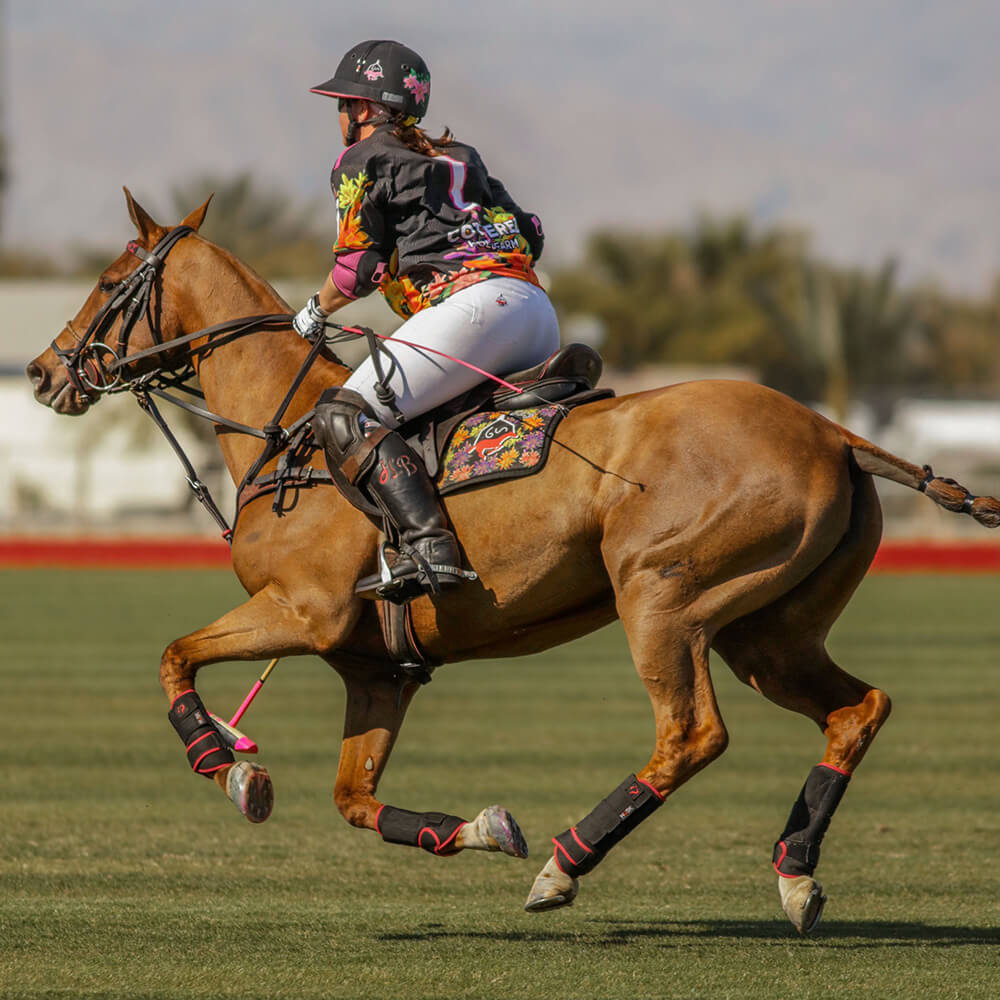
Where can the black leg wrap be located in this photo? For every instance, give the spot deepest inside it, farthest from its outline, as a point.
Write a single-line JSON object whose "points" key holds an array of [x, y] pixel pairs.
{"points": [[206, 751], [797, 852], [581, 847], [434, 832]]}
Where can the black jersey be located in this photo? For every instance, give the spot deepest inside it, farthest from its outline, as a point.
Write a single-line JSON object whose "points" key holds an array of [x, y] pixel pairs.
{"points": [[439, 223]]}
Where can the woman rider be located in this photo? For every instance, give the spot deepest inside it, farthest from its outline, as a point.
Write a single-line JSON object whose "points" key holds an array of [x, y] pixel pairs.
{"points": [[422, 221]]}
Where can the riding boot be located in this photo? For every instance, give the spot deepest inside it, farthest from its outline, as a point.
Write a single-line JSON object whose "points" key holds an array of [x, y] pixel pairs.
{"points": [[429, 558], [371, 463]]}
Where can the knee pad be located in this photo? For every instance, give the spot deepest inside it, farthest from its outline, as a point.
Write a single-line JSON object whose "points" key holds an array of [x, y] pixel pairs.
{"points": [[337, 427]]}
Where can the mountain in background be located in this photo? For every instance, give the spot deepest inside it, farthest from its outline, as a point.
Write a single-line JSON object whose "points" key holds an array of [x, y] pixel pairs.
{"points": [[871, 125]]}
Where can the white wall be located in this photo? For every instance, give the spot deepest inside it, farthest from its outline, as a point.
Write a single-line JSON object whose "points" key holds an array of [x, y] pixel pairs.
{"points": [[80, 473], [74, 473]]}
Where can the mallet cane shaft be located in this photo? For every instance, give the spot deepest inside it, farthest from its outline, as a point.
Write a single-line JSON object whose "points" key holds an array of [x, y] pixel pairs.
{"points": [[253, 692]]}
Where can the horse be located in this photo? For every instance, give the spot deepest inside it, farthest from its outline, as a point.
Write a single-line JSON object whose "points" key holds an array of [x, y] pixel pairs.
{"points": [[704, 515]]}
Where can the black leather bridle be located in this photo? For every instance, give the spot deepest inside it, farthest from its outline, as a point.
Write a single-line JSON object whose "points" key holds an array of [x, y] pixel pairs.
{"points": [[94, 366], [129, 299]]}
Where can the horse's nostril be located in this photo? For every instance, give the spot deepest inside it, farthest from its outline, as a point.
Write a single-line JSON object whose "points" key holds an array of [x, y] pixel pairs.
{"points": [[36, 375]]}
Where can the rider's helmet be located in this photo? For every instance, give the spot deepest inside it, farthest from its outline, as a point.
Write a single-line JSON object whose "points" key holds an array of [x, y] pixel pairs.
{"points": [[386, 72]]}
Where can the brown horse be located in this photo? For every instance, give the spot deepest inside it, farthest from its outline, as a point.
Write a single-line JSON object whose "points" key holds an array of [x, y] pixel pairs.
{"points": [[707, 515]]}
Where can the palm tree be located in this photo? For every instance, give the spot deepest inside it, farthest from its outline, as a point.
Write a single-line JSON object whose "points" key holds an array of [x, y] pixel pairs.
{"points": [[851, 328]]}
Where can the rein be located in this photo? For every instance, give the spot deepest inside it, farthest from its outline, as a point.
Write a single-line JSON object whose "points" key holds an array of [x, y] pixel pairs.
{"points": [[129, 299]]}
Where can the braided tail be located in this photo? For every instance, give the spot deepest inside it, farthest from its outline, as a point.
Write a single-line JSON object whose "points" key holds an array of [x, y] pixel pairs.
{"points": [[944, 492]]}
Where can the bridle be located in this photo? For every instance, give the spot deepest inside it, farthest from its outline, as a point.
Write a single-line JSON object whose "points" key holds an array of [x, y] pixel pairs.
{"points": [[128, 299], [131, 298]]}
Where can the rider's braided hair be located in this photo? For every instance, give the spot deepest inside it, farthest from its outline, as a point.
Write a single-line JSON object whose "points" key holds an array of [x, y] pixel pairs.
{"points": [[415, 138]]}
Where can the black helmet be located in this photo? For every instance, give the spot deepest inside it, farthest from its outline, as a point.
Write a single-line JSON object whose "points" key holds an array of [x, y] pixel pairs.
{"points": [[382, 71]]}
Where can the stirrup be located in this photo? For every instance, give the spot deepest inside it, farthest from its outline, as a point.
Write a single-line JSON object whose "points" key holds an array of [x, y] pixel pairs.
{"points": [[425, 578]]}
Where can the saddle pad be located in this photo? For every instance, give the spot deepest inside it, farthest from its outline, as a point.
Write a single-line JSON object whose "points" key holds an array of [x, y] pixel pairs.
{"points": [[495, 445]]}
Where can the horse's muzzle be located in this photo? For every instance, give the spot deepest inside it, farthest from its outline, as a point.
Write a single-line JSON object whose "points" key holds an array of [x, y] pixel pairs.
{"points": [[52, 388]]}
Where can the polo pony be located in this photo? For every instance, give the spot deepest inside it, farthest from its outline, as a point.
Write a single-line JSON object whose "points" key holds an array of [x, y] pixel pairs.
{"points": [[706, 515]]}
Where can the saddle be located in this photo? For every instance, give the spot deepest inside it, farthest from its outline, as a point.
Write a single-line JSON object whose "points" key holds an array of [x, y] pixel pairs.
{"points": [[567, 377]]}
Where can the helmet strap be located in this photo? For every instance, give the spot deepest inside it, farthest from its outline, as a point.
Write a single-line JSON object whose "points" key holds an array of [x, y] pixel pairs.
{"points": [[354, 126]]}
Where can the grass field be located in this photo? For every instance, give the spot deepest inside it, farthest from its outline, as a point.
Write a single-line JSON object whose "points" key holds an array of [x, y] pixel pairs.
{"points": [[122, 875]]}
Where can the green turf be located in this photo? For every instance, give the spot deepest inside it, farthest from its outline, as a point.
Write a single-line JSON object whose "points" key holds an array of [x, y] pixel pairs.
{"points": [[122, 875]]}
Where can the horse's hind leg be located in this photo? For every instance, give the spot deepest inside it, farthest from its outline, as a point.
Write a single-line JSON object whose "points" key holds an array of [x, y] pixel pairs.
{"points": [[261, 628], [800, 675], [780, 651], [671, 657]]}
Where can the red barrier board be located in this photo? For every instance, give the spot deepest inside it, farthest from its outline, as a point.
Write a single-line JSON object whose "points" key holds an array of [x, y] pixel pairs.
{"points": [[124, 553], [937, 557], [205, 553]]}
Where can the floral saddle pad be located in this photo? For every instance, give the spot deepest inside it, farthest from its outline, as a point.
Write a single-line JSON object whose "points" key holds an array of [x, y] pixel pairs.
{"points": [[494, 445]]}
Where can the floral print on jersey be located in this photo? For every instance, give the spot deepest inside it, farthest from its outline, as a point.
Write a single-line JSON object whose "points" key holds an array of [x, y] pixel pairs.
{"points": [[350, 196], [439, 224], [406, 298], [490, 249]]}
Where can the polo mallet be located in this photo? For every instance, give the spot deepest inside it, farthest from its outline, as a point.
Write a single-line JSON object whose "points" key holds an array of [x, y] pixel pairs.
{"points": [[233, 737]]}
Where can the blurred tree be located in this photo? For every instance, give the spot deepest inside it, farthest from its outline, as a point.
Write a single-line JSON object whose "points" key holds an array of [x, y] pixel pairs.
{"points": [[960, 352], [856, 333], [681, 297], [720, 292], [262, 225], [4, 176]]}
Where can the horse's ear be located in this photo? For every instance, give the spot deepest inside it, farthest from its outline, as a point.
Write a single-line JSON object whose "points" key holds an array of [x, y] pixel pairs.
{"points": [[149, 230], [197, 217]]}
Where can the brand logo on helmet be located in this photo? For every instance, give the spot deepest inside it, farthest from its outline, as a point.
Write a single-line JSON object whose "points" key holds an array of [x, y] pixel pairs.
{"points": [[374, 71], [418, 84]]}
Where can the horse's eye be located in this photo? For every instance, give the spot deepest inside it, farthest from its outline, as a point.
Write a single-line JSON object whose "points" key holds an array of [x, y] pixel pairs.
{"points": [[106, 285]]}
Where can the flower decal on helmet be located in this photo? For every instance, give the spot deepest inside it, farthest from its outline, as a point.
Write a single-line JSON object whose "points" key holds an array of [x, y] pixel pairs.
{"points": [[418, 84]]}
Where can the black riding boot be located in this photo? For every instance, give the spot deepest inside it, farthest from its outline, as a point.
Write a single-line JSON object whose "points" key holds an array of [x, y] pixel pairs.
{"points": [[429, 558], [365, 457]]}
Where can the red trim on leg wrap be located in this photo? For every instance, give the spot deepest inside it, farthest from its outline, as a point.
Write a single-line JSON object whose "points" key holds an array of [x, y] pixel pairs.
{"points": [[206, 750], [797, 850], [434, 832], [583, 846]]}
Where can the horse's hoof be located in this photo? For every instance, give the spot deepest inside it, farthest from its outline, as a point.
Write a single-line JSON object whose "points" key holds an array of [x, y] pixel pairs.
{"points": [[249, 786], [552, 888], [494, 829], [803, 900]]}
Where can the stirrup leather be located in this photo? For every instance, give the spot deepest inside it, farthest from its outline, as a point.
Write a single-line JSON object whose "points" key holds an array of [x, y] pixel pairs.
{"points": [[390, 587]]}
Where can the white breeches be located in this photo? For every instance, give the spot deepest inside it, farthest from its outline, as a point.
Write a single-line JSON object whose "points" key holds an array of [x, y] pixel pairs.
{"points": [[502, 325]]}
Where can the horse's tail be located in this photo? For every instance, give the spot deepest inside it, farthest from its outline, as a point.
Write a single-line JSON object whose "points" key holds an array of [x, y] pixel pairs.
{"points": [[944, 492]]}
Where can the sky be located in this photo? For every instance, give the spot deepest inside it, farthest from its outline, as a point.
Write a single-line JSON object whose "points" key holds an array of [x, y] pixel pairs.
{"points": [[872, 124]]}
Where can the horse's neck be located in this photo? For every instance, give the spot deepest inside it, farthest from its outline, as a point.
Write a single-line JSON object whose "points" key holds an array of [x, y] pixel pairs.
{"points": [[247, 379]]}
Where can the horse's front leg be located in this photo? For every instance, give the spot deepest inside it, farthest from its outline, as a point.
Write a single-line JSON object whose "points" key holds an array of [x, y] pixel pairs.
{"points": [[263, 627], [376, 706]]}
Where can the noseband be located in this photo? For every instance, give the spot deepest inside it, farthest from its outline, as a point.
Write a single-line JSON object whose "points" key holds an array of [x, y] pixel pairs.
{"points": [[128, 299]]}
